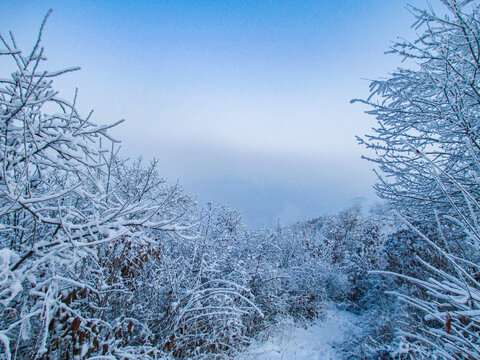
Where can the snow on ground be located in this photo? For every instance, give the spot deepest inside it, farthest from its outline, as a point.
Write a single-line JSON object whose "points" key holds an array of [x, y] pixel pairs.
{"points": [[314, 342]]}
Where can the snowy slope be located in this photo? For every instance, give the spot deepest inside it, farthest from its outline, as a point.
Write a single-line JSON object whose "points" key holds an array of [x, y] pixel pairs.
{"points": [[315, 342]]}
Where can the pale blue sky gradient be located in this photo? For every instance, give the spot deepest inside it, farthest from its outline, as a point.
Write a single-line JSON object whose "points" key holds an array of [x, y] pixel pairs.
{"points": [[246, 103]]}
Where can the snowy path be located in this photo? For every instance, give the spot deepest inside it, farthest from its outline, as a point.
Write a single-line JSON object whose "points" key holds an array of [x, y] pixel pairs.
{"points": [[316, 342]]}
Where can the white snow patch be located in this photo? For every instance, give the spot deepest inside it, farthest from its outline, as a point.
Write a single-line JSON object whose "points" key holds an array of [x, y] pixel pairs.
{"points": [[314, 342]]}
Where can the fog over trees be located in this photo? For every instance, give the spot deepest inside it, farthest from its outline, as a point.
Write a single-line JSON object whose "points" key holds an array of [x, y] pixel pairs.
{"points": [[102, 258]]}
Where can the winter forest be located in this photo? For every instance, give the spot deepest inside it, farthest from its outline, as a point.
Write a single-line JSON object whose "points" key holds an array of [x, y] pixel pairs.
{"points": [[102, 258]]}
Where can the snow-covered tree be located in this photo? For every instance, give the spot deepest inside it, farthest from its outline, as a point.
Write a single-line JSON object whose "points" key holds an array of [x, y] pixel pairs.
{"points": [[428, 113], [427, 146], [79, 231]]}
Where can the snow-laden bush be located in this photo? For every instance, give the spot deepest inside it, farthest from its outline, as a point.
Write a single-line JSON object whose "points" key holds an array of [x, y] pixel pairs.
{"points": [[212, 319], [448, 300], [295, 270]]}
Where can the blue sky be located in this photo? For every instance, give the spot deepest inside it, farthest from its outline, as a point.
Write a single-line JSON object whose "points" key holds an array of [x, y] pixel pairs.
{"points": [[246, 103]]}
